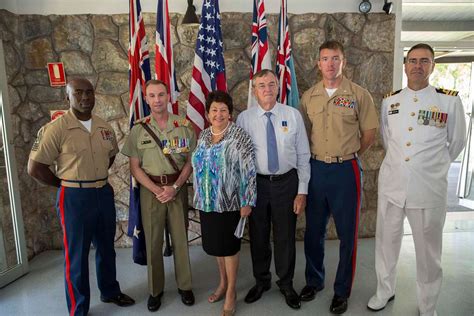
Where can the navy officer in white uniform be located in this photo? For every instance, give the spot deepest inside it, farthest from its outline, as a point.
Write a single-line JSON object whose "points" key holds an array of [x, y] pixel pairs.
{"points": [[423, 130]]}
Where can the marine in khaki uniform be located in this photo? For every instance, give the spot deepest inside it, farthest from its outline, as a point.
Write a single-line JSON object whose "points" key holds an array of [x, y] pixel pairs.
{"points": [[423, 131], [83, 147], [162, 170], [341, 120]]}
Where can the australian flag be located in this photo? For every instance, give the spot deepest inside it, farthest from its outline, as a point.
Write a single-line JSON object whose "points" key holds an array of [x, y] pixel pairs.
{"points": [[285, 68], [139, 74]]}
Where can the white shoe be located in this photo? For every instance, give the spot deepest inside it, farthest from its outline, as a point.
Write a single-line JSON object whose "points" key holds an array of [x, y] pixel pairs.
{"points": [[376, 304], [429, 314]]}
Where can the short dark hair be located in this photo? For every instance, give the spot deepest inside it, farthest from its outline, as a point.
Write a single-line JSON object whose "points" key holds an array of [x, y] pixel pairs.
{"points": [[155, 82], [333, 45], [263, 73], [219, 96], [421, 46]]}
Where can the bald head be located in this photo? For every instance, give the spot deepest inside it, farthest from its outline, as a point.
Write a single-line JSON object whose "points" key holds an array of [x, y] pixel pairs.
{"points": [[75, 81], [80, 94]]}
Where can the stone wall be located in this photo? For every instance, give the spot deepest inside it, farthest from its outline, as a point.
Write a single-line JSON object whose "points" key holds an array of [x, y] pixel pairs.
{"points": [[95, 46]]}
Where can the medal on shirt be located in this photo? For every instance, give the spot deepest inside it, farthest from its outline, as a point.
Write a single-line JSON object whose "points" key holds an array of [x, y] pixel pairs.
{"points": [[421, 115], [444, 119], [284, 126], [165, 144], [434, 110], [426, 119], [432, 118], [106, 134], [175, 146], [438, 119]]}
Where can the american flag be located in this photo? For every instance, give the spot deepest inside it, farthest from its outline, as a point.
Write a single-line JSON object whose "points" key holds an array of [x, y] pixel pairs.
{"points": [[209, 68], [164, 65], [285, 68], [260, 51], [139, 74]]}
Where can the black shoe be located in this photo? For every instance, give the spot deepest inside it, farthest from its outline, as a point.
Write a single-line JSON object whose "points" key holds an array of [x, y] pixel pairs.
{"points": [[338, 305], [120, 300], [256, 292], [154, 302], [187, 297], [308, 293], [291, 297]]}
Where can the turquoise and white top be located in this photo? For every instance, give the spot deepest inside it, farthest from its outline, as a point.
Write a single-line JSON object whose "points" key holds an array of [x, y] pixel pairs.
{"points": [[224, 173]]}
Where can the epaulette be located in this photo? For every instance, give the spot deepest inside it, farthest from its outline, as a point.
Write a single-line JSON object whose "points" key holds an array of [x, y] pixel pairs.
{"points": [[146, 120], [181, 122], [391, 93], [447, 92]]}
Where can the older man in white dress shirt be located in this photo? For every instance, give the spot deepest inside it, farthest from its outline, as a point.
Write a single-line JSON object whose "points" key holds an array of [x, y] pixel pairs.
{"points": [[283, 171]]}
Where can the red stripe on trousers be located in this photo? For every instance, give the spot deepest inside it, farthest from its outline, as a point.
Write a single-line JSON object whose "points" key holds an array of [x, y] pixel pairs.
{"points": [[355, 166], [66, 254]]}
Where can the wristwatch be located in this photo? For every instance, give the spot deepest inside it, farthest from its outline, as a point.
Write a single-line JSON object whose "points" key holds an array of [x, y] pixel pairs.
{"points": [[176, 187]]}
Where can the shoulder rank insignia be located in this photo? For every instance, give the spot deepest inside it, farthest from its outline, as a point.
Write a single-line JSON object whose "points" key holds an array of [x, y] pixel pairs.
{"points": [[391, 93], [447, 92], [146, 120], [181, 122]]}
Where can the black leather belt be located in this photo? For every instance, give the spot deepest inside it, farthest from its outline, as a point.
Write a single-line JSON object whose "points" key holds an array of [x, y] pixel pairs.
{"points": [[276, 177]]}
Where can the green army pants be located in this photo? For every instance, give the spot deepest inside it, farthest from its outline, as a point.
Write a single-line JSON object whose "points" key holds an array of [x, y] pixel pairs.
{"points": [[154, 215]]}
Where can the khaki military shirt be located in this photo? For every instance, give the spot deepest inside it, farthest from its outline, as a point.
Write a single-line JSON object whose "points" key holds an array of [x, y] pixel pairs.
{"points": [[334, 123], [78, 154], [178, 140]]}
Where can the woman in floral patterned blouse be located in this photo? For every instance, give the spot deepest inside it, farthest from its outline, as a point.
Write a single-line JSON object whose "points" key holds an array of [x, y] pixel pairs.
{"points": [[224, 190]]}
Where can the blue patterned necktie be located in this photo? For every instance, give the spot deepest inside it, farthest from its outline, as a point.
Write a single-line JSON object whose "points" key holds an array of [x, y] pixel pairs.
{"points": [[272, 149]]}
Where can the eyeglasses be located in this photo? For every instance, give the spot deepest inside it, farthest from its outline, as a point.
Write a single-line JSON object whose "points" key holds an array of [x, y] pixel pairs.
{"points": [[421, 61]]}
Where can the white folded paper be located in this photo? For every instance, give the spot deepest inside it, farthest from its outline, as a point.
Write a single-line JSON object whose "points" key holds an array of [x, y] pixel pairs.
{"points": [[239, 231]]}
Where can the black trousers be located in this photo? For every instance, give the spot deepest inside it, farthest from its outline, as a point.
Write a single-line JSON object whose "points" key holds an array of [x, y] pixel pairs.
{"points": [[274, 209]]}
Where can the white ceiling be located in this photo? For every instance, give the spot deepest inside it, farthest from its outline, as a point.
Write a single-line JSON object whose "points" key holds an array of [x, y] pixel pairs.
{"points": [[438, 10], [444, 23]]}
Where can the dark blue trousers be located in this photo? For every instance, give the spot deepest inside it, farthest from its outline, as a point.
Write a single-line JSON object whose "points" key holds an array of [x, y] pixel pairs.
{"points": [[87, 215], [334, 189], [274, 212]]}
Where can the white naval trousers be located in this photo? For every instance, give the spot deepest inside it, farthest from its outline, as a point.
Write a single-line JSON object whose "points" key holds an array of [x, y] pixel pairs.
{"points": [[427, 229]]}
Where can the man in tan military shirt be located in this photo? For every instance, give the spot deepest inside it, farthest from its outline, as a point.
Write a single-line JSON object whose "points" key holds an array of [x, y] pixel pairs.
{"points": [[159, 148], [341, 120], [83, 147]]}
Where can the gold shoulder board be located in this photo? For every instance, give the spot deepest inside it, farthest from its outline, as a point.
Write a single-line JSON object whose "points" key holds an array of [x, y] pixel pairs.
{"points": [[391, 93], [447, 92]]}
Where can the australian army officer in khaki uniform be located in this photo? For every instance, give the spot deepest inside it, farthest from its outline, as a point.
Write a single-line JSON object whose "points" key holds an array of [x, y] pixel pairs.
{"points": [[83, 147], [159, 147], [341, 120]]}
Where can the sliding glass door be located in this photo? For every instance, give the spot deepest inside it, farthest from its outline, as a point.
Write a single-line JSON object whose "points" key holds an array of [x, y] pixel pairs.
{"points": [[13, 257]]}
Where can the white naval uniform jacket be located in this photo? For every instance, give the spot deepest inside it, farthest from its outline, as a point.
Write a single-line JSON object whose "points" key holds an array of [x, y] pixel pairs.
{"points": [[415, 168]]}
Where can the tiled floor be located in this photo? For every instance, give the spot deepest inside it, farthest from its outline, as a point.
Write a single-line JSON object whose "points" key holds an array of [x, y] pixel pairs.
{"points": [[41, 292]]}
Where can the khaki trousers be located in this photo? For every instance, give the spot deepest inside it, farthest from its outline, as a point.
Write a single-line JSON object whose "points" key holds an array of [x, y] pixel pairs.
{"points": [[154, 215]]}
